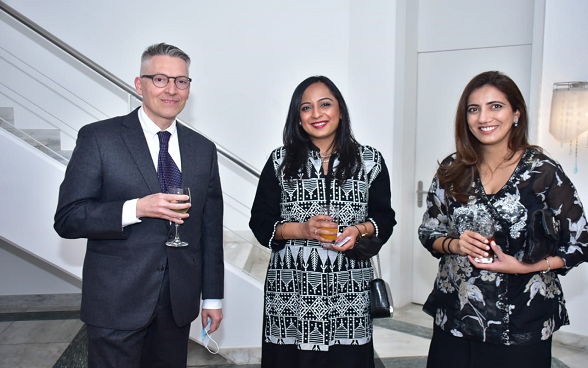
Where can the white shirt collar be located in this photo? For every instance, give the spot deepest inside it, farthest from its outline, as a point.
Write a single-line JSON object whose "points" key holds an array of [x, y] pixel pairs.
{"points": [[150, 128]]}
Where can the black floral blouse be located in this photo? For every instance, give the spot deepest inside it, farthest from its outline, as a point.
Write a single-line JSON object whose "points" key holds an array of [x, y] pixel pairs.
{"points": [[503, 308]]}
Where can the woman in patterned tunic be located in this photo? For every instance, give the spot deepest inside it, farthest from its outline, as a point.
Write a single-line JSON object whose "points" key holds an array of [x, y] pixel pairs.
{"points": [[316, 310], [500, 314]]}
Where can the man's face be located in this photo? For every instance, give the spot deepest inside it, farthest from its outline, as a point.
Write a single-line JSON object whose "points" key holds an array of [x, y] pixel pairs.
{"points": [[163, 104]]}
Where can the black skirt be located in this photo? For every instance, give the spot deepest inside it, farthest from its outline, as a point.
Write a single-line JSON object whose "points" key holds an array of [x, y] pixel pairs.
{"points": [[338, 356], [447, 350]]}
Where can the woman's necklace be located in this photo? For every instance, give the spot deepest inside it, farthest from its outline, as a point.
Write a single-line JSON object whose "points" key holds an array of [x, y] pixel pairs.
{"points": [[325, 158]]}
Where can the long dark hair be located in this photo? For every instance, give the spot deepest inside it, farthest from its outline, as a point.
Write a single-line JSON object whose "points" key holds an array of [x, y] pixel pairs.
{"points": [[457, 177], [297, 141]]}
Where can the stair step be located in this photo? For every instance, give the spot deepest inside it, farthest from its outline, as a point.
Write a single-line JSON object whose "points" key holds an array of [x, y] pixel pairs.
{"points": [[51, 138], [240, 251], [7, 115], [56, 154]]}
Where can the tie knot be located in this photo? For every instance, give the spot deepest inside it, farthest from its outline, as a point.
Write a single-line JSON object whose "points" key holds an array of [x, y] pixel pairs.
{"points": [[163, 137]]}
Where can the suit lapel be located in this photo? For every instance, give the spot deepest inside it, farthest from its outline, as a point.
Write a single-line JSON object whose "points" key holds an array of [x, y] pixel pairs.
{"points": [[187, 153], [137, 146], [190, 152]]}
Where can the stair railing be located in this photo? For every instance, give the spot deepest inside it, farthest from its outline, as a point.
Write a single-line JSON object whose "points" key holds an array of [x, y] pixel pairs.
{"points": [[112, 78]]}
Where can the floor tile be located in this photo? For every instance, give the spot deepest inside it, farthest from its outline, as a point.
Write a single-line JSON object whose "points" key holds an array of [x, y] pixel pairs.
{"points": [[56, 308], [389, 343], [31, 355], [4, 326], [12, 310], [40, 316], [44, 301], [573, 358], [405, 327], [198, 356], [76, 354], [405, 362], [40, 332], [399, 342], [413, 313]]}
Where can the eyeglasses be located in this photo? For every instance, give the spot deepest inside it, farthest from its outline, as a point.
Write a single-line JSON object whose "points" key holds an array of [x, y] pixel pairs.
{"points": [[161, 80]]}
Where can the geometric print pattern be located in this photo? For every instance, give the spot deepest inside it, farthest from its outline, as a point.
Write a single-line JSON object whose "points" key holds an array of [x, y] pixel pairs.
{"points": [[316, 298]]}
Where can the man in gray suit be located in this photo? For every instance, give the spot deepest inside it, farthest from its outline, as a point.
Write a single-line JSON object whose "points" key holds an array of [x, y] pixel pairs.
{"points": [[139, 296]]}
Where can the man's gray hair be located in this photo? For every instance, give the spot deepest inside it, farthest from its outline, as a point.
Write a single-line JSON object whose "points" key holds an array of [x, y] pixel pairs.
{"points": [[164, 49]]}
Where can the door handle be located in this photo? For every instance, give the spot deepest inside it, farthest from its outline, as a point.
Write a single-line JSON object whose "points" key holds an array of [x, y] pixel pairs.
{"points": [[420, 193]]}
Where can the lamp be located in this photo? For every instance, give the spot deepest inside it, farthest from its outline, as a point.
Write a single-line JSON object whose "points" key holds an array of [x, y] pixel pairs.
{"points": [[569, 112]]}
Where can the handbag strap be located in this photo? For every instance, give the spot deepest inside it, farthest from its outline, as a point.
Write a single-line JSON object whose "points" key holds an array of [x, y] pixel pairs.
{"points": [[377, 267]]}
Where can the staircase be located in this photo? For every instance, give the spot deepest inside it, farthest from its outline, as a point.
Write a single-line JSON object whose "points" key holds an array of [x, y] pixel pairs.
{"points": [[47, 141], [35, 159], [40, 113]]}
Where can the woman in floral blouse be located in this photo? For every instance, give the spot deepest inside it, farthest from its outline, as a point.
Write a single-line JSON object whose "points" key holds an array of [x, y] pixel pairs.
{"points": [[498, 314], [316, 310]]}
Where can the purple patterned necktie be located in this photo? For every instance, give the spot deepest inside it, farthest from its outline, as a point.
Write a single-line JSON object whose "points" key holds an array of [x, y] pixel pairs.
{"points": [[167, 171]]}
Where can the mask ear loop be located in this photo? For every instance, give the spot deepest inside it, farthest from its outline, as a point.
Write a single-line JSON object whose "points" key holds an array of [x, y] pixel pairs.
{"points": [[206, 345]]}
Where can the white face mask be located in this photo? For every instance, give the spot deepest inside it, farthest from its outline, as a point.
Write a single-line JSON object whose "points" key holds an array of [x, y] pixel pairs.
{"points": [[206, 338]]}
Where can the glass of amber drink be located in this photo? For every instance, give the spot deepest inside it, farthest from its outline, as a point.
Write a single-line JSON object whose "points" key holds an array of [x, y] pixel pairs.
{"points": [[332, 211]]}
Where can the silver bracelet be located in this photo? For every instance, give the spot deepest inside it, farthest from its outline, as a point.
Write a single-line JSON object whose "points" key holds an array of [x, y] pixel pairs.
{"points": [[548, 266]]}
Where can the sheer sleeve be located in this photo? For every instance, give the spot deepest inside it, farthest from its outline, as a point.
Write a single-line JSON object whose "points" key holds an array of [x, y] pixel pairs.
{"points": [[561, 196], [265, 212], [435, 220]]}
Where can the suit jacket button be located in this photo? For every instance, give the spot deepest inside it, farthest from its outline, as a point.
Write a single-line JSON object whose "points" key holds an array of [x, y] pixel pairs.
{"points": [[160, 268]]}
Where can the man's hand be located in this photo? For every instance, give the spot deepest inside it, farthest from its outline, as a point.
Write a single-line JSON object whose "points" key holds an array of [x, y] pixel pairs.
{"points": [[163, 206], [216, 315]]}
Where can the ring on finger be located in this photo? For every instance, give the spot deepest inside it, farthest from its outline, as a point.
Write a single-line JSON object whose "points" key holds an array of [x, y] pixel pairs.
{"points": [[316, 231]]}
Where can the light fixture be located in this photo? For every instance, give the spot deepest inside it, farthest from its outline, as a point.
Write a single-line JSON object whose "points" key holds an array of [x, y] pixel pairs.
{"points": [[569, 112]]}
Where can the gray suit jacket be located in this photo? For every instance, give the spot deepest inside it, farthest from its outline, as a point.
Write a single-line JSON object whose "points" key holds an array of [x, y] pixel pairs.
{"points": [[124, 268]]}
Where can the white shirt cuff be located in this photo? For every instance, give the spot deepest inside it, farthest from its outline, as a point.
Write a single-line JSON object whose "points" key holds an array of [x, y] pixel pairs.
{"points": [[212, 304], [129, 213]]}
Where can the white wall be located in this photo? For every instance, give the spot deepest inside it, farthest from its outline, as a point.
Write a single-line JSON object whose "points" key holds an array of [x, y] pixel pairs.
{"points": [[24, 274], [247, 59], [249, 55], [565, 52]]}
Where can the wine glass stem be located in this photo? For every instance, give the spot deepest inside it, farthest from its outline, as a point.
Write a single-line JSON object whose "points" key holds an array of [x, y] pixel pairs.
{"points": [[177, 239]]}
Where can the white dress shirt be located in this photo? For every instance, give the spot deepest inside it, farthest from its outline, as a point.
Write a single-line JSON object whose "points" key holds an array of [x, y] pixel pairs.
{"points": [[129, 213]]}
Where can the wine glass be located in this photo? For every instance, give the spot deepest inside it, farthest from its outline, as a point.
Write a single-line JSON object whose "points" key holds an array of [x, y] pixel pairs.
{"points": [[183, 191]]}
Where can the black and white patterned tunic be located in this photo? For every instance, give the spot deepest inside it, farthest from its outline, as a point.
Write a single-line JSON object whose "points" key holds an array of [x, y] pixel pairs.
{"points": [[503, 308], [314, 297]]}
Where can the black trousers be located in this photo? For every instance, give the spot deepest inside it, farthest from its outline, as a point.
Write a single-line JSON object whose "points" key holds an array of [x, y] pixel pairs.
{"points": [[159, 344], [447, 350]]}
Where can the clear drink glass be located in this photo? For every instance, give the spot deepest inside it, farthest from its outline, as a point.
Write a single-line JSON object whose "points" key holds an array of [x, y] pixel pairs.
{"points": [[177, 242], [485, 226]]}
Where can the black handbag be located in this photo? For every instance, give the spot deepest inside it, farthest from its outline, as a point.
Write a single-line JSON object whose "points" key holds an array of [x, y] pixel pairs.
{"points": [[381, 303], [542, 236]]}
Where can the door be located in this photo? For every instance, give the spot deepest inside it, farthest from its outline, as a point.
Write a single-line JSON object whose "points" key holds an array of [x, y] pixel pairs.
{"points": [[442, 76]]}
